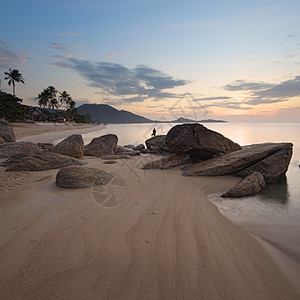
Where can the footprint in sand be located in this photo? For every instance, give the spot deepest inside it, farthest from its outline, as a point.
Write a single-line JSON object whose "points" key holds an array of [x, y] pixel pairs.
{"points": [[112, 194]]}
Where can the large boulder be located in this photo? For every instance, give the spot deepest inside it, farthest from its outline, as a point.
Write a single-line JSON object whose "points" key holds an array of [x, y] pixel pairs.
{"points": [[168, 162], [198, 141], [272, 167], [9, 149], [157, 143], [39, 161], [71, 146], [7, 132], [103, 145], [75, 177], [270, 159], [251, 184]]}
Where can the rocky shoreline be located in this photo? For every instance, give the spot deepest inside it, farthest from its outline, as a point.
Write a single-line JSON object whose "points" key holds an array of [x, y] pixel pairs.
{"points": [[108, 227], [201, 151]]}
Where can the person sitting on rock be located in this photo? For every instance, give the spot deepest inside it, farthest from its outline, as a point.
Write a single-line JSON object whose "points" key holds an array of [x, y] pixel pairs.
{"points": [[153, 132]]}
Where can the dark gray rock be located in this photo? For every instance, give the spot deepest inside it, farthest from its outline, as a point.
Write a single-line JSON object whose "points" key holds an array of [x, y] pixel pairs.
{"points": [[198, 141], [7, 132], [148, 151], [139, 147], [39, 161], [251, 184], [124, 151], [168, 162], [71, 146], [75, 177], [9, 149], [103, 145], [272, 167], [270, 159], [45, 146], [2, 141], [157, 143]]}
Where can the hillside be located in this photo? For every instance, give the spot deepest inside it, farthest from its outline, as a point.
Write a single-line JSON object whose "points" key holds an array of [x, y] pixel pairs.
{"points": [[106, 114], [184, 120]]}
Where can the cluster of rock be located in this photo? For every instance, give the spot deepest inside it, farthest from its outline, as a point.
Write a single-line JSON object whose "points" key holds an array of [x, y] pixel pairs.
{"points": [[209, 153], [66, 155], [203, 152]]}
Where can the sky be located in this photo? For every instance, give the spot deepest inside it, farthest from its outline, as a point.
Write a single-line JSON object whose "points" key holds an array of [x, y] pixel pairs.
{"points": [[232, 60]]}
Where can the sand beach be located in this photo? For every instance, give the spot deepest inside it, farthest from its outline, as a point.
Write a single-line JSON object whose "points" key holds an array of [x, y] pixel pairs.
{"points": [[148, 234]]}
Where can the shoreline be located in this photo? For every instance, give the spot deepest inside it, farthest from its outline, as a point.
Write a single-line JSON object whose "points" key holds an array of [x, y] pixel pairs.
{"points": [[125, 251], [43, 133]]}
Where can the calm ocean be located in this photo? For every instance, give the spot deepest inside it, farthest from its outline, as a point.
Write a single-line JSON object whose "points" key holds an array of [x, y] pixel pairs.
{"points": [[273, 215]]}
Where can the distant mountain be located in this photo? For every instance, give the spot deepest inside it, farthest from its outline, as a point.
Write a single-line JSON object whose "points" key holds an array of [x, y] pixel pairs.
{"points": [[184, 120], [106, 114]]}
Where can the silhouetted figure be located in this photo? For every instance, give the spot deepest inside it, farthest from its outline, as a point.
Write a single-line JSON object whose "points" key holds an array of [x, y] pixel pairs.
{"points": [[153, 132]]}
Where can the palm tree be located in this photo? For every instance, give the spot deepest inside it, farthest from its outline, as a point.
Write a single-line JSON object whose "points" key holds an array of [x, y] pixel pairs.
{"points": [[43, 99], [51, 94], [53, 103], [14, 76], [71, 110], [64, 97]]}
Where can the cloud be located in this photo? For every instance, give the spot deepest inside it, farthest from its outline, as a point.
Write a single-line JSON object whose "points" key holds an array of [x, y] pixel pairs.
{"points": [[65, 48], [286, 89], [213, 98], [9, 58], [242, 85], [257, 101], [114, 54], [82, 101], [266, 93], [230, 105], [131, 84]]}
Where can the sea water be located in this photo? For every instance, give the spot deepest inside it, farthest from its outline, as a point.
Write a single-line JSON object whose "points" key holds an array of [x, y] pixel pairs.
{"points": [[274, 214]]}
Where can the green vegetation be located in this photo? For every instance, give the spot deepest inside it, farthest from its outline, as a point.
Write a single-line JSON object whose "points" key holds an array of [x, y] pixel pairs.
{"points": [[11, 108], [51, 108]]}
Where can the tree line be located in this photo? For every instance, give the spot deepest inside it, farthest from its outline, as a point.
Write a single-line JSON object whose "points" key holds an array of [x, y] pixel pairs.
{"points": [[51, 106]]}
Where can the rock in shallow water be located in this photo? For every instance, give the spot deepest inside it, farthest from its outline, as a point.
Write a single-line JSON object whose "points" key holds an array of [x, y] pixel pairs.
{"points": [[252, 184], [76, 177], [270, 159]]}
